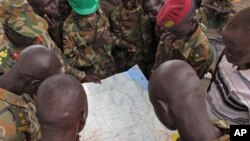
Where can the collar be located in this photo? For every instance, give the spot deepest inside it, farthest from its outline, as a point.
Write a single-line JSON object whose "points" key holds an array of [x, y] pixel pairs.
{"points": [[83, 21], [11, 98], [196, 33], [127, 14]]}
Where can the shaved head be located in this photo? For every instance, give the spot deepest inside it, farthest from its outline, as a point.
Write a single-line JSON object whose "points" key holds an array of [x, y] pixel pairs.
{"points": [[34, 64], [176, 78], [38, 62], [61, 105], [179, 101], [175, 91]]}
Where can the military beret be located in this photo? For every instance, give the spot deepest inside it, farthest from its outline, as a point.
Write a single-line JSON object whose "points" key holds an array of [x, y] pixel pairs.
{"points": [[174, 12]]}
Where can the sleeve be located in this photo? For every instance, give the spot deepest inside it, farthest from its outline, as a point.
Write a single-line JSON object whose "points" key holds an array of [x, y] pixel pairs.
{"points": [[201, 58], [71, 56], [116, 31]]}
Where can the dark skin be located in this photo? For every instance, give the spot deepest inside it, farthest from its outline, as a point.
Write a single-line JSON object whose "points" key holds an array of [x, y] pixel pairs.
{"points": [[197, 3], [151, 8], [48, 7], [185, 29], [49, 10], [29, 78], [68, 108], [130, 4], [236, 49], [166, 86]]}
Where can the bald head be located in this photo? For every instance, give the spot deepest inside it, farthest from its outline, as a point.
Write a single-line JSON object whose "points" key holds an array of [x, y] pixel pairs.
{"points": [[61, 106], [175, 89], [37, 62], [176, 78], [34, 64]]}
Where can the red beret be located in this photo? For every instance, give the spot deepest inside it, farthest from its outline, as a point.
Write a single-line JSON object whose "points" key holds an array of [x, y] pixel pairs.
{"points": [[173, 12]]}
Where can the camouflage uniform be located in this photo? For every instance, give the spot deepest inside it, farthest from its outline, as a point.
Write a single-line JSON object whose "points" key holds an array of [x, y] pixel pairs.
{"points": [[213, 19], [108, 6], [80, 39], [18, 121], [19, 16], [132, 27], [197, 51], [222, 125]]}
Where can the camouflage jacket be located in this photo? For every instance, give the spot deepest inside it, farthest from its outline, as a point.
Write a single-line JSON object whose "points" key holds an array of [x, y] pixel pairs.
{"points": [[18, 120], [132, 27], [88, 44], [19, 16], [108, 6], [213, 19], [197, 51]]}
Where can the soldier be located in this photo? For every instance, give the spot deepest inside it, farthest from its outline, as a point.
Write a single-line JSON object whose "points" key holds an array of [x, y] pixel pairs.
{"points": [[215, 13], [151, 8], [108, 6], [20, 28], [87, 40], [132, 30], [54, 12], [176, 93], [18, 121], [188, 40], [68, 108]]}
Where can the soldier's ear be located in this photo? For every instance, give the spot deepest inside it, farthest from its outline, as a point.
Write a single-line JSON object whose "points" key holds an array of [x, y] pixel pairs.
{"points": [[33, 86]]}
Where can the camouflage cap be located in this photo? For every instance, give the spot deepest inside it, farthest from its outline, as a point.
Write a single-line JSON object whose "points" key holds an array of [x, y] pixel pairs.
{"points": [[19, 15]]}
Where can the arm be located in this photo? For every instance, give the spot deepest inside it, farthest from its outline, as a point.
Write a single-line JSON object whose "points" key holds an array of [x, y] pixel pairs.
{"points": [[201, 58], [74, 57]]}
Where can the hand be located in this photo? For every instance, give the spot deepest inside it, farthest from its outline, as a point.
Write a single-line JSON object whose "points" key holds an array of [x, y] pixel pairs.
{"points": [[92, 78], [52, 22], [131, 48], [55, 30], [102, 38]]}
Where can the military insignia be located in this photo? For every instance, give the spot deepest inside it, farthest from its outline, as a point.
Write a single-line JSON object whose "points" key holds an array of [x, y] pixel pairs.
{"points": [[168, 24], [39, 39], [3, 54]]}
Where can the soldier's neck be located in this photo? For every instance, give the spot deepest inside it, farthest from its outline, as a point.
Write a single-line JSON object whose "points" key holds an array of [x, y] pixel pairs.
{"points": [[192, 31]]}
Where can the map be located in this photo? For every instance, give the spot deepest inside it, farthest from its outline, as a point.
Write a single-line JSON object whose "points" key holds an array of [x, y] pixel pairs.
{"points": [[120, 110]]}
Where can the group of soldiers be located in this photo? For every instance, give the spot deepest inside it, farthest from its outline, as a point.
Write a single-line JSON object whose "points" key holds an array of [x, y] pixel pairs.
{"points": [[93, 40]]}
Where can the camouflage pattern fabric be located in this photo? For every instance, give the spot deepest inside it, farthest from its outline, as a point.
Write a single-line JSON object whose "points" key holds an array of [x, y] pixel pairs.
{"points": [[197, 51], [132, 27], [20, 17], [108, 6], [213, 19], [18, 121], [88, 44]]}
